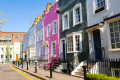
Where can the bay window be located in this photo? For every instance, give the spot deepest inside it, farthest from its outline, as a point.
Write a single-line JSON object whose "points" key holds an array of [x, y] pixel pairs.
{"points": [[74, 42], [115, 34]]}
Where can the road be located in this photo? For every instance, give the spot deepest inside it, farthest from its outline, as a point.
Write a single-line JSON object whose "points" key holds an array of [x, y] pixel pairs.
{"points": [[7, 72]]}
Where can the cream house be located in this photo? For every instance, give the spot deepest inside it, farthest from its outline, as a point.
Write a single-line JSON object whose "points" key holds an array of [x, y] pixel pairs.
{"points": [[103, 29]]}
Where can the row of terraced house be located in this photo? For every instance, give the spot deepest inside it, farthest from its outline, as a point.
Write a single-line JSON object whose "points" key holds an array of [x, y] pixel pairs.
{"points": [[74, 30]]}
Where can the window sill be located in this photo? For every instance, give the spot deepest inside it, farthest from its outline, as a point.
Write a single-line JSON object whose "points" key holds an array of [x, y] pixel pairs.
{"points": [[77, 24], [100, 12], [53, 55], [54, 33], [74, 51], [65, 29], [114, 50]]}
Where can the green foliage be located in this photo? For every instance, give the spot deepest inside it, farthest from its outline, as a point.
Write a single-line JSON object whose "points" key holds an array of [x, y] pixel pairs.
{"points": [[8, 53], [2, 20], [111, 78], [100, 77], [96, 76]]}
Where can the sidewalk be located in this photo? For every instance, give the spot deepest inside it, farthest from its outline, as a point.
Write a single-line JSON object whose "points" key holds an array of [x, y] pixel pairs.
{"points": [[46, 73]]}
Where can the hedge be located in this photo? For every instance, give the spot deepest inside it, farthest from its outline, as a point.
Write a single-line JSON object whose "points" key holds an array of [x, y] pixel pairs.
{"points": [[100, 77]]}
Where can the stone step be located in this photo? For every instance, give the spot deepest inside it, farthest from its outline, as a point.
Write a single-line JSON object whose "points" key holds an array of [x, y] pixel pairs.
{"points": [[81, 76], [79, 73]]}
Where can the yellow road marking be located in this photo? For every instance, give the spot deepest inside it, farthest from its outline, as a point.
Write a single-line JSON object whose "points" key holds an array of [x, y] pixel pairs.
{"points": [[20, 73]]}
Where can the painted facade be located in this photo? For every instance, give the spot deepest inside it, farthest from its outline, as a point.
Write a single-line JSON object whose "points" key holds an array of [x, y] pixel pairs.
{"points": [[30, 49], [73, 38], [51, 32], [40, 48], [13, 39], [103, 22]]}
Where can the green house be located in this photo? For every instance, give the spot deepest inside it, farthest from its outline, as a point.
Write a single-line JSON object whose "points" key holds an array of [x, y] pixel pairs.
{"points": [[73, 37]]}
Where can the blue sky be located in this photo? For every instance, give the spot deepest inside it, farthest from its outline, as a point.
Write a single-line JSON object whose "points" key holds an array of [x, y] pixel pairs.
{"points": [[21, 13]]}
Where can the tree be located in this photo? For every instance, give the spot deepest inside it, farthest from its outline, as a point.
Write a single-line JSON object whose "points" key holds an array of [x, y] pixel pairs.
{"points": [[2, 20], [8, 53]]}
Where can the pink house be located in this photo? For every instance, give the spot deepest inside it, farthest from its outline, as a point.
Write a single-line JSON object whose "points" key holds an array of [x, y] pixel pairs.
{"points": [[51, 32]]}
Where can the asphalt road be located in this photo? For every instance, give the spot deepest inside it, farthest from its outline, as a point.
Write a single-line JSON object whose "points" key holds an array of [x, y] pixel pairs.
{"points": [[8, 73]]}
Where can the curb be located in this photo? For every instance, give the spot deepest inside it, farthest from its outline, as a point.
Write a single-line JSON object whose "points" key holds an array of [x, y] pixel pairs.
{"points": [[33, 74]]}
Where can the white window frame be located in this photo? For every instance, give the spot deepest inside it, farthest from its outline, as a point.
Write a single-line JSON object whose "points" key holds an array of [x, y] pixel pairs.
{"points": [[110, 45], [63, 20], [73, 35], [95, 6], [74, 14], [53, 32], [52, 48], [47, 30]]}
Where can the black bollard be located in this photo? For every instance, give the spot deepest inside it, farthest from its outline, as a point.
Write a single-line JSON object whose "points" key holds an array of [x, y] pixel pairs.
{"points": [[84, 69], [50, 70], [18, 63], [27, 65], [35, 66], [22, 63]]}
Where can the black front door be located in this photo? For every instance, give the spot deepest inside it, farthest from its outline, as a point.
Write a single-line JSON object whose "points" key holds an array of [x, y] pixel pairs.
{"points": [[63, 49], [97, 44]]}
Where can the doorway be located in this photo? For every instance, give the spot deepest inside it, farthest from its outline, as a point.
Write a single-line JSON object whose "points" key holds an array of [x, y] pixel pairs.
{"points": [[97, 44], [63, 50], [46, 52]]}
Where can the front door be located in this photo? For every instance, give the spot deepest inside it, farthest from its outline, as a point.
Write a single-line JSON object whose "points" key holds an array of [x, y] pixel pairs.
{"points": [[46, 52], [16, 57], [63, 49], [97, 44]]}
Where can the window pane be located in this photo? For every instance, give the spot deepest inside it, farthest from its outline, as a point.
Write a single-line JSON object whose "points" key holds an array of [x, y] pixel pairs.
{"points": [[53, 48], [116, 34], [116, 28], [111, 29], [77, 18], [113, 40], [118, 45], [115, 23], [66, 22], [111, 24], [77, 42], [119, 22], [112, 35], [113, 46], [70, 44]]}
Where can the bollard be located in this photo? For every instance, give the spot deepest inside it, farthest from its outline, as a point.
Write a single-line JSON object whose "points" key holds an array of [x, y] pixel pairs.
{"points": [[22, 63], [35, 66], [27, 65], [18, 63], [68, 70], [50, 70], [84, 69]]}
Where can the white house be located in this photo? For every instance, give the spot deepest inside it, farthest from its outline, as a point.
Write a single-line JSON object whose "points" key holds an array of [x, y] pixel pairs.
{"points": [[103, 18]]}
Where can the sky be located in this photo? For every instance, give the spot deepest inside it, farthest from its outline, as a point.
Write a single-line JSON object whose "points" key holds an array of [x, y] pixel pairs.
{"points": [[21, 13]]}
